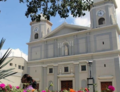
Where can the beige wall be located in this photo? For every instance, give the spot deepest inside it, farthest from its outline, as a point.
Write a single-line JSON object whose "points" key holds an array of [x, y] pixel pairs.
{"points": [[15, 80]]}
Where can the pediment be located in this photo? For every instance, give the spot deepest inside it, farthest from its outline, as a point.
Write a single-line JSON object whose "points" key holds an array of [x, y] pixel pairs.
{"points": [[65, 29]]}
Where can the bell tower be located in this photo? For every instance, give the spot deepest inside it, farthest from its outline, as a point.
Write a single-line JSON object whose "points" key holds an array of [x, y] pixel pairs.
{"points": [[40, 29], [103, 13]]}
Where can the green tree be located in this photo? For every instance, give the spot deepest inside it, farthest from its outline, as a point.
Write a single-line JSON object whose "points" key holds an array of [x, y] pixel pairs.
{"points": [[52, 7], [5, 72]]}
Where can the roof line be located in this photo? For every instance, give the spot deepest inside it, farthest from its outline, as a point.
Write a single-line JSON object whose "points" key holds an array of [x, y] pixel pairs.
{"points": [[64, 25]]}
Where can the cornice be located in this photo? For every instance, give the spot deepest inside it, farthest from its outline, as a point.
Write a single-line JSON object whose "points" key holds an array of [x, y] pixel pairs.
{"points": [[52, 64], [104, 1], [75, 33], [68, 26], [106, 77], [66, 75], [34, 22], [76, 56]]}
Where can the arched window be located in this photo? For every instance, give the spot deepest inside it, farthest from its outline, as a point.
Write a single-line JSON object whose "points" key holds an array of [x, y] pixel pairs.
{"points": [[36, 36], [101, 21], [66, 49]]}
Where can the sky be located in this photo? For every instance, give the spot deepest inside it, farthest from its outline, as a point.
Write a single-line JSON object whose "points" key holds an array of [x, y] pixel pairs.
{"points": [[15, 28]]}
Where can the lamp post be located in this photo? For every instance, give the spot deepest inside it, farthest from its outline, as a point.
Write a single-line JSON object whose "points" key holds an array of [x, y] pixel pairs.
{"points": [[91, 78], [90, 63]]}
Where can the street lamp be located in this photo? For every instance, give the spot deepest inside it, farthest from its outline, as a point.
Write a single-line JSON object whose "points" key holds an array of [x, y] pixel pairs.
{"points": [[90, 81], [90, 63]]}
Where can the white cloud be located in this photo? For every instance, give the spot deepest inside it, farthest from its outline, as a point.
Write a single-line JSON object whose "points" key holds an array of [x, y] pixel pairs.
{"points": [[85, 20], [82, 21], [15, 53], [62, 20]]}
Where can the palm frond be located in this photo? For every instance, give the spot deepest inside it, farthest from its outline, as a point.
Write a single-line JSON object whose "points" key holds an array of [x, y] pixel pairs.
{"points": [[3, 71], [9, 75], [6, 74], [5, 56], [1, 43], [6, 63]]}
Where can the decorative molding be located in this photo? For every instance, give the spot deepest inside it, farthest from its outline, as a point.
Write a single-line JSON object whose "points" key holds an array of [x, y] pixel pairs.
{"points": [[76, 62], [43, 20], [44, 65], [66, 75], [75, 33], [83, 61], [105, 77], [76, 56], [66, 25], [73, 62], [55, 64], [103, 4], [52, 64]]}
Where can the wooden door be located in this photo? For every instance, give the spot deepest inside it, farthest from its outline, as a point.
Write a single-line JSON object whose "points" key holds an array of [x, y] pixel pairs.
{"points": [[66, 85], [104, 85], [37, 86]]}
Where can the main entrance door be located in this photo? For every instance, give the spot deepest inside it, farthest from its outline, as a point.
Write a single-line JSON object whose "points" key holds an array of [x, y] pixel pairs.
{"points": [[104, 85], [66, 85]]}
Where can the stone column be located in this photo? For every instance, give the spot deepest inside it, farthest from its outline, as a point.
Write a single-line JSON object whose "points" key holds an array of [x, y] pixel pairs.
{"points": [[75, 49], [70, 48], [56, 48], [74, 46], [44, 77], [60, 49], [45, 50], [93, 74], [117, 72], [55, 78], [88, 43], [77, 77]]}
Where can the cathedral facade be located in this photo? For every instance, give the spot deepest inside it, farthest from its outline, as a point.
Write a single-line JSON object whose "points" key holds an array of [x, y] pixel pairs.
{"points": [[74, 56]]}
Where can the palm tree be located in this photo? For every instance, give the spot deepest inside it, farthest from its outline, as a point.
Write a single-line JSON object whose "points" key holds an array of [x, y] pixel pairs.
{"points": [[5, 72]]}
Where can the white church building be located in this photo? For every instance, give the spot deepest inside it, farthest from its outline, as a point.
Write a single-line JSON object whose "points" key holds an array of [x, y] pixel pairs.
{"points": [[74, 56]]}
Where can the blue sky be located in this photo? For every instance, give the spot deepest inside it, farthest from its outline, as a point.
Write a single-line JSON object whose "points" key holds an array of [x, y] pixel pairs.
{"points": [[15, 28]]}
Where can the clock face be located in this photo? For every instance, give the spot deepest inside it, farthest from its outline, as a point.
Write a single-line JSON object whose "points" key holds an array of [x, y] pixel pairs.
{"points": [[100, 13], [36, 29]]}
